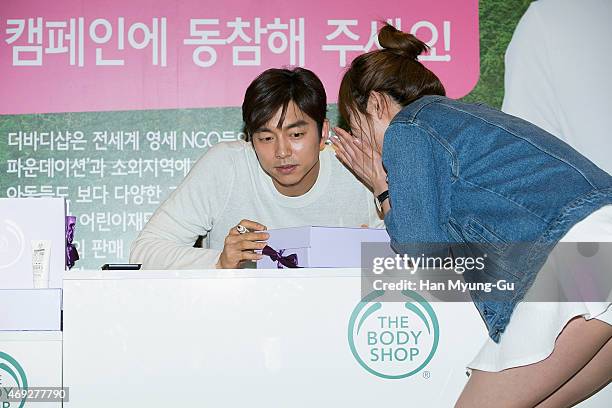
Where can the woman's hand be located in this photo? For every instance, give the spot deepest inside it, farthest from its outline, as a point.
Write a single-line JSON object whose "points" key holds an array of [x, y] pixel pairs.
{"points": [[362, 159]]}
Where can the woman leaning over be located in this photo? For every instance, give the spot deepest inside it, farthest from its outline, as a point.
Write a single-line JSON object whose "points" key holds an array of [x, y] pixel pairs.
{"points": [[464, 173]]}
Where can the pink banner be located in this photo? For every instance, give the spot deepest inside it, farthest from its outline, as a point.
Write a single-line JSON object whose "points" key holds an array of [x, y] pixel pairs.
{"points": [[78, 55]]}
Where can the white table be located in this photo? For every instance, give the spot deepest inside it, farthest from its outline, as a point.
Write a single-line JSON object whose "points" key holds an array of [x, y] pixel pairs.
{"points": [[273, 338]]}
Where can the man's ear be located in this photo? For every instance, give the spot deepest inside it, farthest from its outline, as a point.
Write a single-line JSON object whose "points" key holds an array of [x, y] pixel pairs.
{"points": [[324, 134]]}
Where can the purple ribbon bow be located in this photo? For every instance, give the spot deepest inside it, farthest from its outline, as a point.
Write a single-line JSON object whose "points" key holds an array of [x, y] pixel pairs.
{"points": [[289, 261], [72, 254]]}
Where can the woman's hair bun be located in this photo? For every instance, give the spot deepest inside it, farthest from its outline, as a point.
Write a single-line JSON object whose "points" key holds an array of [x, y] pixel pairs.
{"points": [[401, 43]]}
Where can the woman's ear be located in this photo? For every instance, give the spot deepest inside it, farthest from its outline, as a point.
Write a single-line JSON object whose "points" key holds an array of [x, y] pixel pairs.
{"points": [[377, 104], [382, 106]]}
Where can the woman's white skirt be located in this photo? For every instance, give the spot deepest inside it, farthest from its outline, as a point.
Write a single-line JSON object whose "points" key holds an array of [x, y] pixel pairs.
{"points": [[534, 326]]}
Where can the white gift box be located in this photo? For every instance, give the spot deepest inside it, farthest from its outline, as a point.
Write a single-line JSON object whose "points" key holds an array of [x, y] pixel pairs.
{"points": [[321, 247]]}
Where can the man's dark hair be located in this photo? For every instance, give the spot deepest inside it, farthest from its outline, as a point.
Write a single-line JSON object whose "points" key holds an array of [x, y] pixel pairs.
{"points": [[274, 88]]}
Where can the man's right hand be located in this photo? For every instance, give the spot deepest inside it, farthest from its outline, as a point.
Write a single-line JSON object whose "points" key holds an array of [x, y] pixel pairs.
{"points": [[239, 248]]}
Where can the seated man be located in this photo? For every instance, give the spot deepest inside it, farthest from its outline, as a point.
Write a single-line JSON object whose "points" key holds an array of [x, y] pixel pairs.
{"points": [[283, 176]]}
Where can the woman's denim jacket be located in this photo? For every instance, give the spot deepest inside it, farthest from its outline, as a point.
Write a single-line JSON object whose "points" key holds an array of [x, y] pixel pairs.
{"points": [[468, 173]]}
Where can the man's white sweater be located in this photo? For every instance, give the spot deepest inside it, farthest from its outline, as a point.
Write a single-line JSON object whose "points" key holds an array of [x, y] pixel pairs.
{"points": [[227, 185]]}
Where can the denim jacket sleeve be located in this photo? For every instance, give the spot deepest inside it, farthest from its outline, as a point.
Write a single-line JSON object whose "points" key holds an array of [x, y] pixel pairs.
{"points": [[414, 188]]}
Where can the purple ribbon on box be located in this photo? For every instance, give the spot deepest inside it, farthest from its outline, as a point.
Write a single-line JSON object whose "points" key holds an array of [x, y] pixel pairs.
{"points": [[289, 261], [72, 255]]}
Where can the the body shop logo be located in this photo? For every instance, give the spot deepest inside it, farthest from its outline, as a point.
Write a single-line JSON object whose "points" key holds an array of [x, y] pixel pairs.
{"points": [[12, 376], [393, 339]]}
